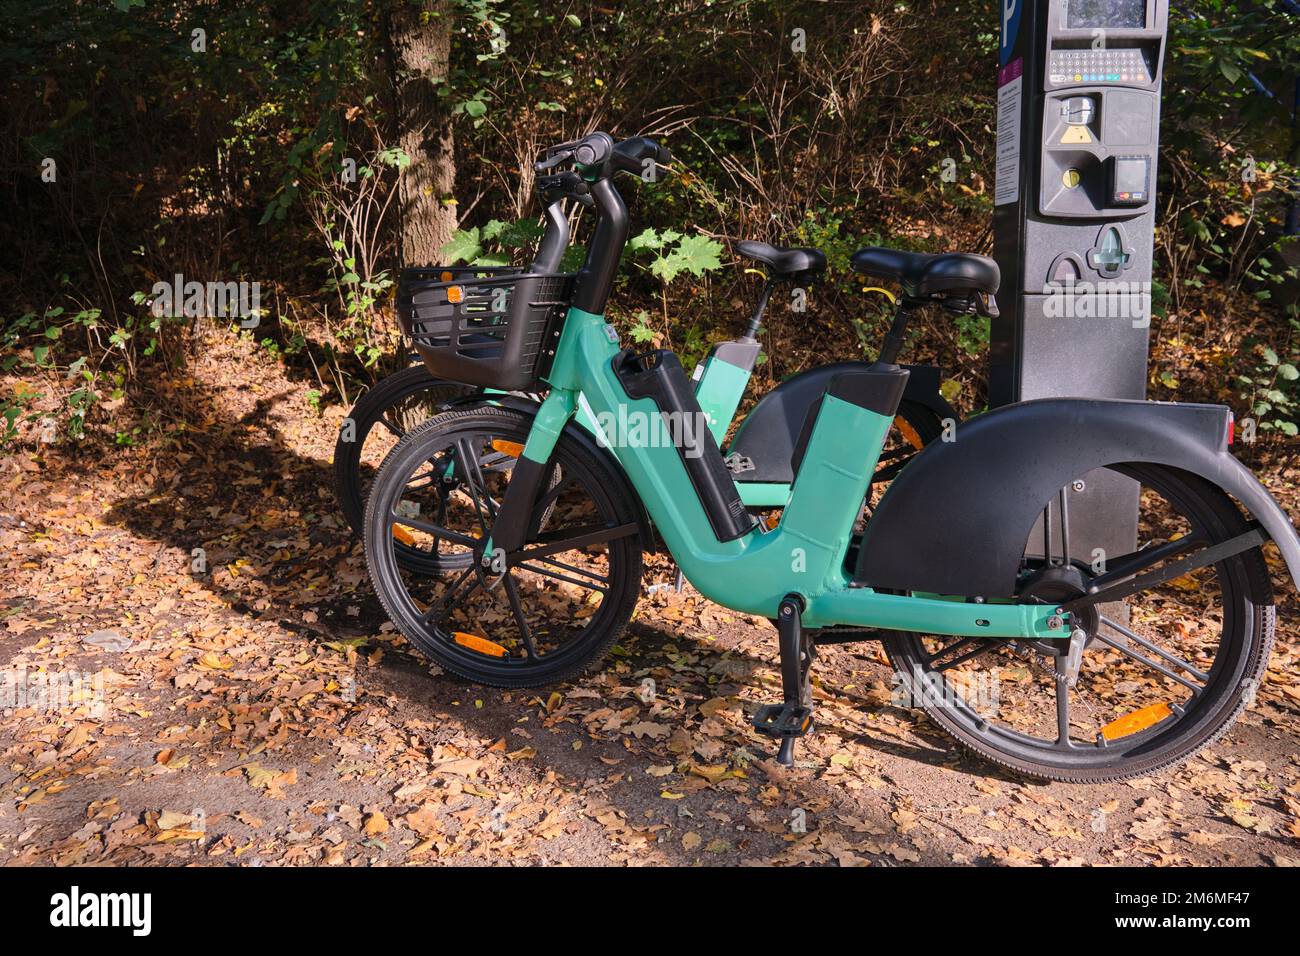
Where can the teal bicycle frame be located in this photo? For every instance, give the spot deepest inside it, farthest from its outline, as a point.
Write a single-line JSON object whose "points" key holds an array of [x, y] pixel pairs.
{"points": [[804, 554], [719, 390]]}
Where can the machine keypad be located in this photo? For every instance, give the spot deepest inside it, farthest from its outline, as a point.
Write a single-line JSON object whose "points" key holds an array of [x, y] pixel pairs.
{"points": [[1069, 67]]}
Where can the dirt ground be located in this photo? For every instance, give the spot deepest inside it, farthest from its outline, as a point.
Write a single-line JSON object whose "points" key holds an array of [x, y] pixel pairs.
{"points": [[261, 711]]}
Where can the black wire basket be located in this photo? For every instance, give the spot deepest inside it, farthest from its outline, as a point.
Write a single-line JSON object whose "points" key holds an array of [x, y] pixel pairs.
{"points": [[495, 327]]}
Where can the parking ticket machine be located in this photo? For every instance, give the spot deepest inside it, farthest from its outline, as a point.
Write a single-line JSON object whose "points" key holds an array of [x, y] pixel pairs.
{"points": [[1078, 123]]}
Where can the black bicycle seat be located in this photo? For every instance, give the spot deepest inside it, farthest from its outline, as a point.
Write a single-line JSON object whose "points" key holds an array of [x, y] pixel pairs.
{"points": [[783, 261], [923, 273]]}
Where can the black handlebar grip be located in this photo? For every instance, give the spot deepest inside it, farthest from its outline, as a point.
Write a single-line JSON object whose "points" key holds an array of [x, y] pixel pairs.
{"points": [[631, 154]]}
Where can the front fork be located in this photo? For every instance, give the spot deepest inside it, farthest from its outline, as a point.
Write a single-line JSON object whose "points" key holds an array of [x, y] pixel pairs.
{"points": [[513, 519]]}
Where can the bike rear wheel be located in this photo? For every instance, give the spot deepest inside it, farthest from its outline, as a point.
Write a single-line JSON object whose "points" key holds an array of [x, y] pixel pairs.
{"points": [[1160, 678], [915, 426]]}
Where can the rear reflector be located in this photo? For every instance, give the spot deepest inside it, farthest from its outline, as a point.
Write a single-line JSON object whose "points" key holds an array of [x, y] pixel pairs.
{"points": [[1138, 720], [909, 433]]}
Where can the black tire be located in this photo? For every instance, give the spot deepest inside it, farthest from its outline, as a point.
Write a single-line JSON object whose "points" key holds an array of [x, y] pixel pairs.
{"points": [[410, 393], [923, 425], [923, 418], [575, 641], [1177, 731]]}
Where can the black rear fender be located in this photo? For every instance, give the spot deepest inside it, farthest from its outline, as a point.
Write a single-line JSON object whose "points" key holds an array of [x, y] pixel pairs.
{"points": [[957, 519]]}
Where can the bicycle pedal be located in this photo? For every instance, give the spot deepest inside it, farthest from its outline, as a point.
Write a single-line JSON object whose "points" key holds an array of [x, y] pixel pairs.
{"points": [[783, 720]]}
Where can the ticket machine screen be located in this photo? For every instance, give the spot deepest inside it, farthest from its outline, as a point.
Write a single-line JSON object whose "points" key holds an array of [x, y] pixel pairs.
{"points": [[1082, 14]]}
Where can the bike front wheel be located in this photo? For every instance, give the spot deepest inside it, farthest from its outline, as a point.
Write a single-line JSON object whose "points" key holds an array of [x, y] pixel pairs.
{"points": [[543, 614]]}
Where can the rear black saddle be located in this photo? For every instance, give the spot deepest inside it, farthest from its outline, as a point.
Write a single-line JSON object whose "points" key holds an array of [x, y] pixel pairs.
{"points": [[786, 263], [925, 275]]}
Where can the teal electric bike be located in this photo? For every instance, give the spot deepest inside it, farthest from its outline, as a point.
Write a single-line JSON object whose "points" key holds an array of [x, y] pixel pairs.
{"points": [[758, 454], [1049, 662]]}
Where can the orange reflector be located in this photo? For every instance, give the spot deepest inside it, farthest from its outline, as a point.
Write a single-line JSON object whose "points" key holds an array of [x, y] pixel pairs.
{"points": [[508, 447], [455, 293], [909, 433], [446, 277], [402, 535], [480, 644], [1138, 720], [770, 521]]}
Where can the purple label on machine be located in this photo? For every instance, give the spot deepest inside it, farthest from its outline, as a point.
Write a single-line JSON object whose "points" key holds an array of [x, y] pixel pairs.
{"points": [[1012, 71]]}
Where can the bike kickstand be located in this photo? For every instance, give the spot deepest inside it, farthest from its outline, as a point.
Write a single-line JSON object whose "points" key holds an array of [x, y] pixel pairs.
{"points": [[792, 718]]}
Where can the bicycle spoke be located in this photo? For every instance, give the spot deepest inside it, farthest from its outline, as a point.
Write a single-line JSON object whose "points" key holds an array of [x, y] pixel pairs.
{"points": [[437, 614], [564, 577], [1154, 665], [516, 606], [442, 520], [437, 530], [949, 648], [581, 538], [599, 578], [1171, 658], [469, 463], [987, 644], [420, 481], [496, 462], [890, 471]]}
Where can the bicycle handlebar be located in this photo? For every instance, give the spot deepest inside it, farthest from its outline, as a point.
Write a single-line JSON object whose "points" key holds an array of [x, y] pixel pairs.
{"points": [[593, 161], [597, 151], [592, 150]]}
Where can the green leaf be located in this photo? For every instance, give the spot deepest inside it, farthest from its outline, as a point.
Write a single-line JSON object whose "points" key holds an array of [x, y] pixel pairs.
{"points": [[666, 268], [475, 108], [394, 156], [647, 239], [642, 333], [464, 246], [698, 255], [1288, 372]]}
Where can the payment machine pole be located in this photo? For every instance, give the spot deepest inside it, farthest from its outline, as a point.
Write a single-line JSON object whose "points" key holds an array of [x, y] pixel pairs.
{"points": [[1074, 213]]}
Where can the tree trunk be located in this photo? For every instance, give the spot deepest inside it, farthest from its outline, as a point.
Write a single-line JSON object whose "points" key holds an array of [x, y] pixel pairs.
{"points": [[421, 44]]}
